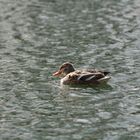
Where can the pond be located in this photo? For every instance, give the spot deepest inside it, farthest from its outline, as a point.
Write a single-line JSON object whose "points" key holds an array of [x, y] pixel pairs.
{"points": [[36, 37]]}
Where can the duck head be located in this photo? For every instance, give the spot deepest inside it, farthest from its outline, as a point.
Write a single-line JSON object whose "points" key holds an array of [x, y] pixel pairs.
{"points": [[64, 69]]}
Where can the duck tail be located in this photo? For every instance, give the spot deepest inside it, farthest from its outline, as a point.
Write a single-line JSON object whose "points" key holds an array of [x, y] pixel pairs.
{"points": [[106, 73]]}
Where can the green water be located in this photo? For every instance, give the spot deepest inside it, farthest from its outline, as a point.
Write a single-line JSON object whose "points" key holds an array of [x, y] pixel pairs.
{"points": [[36, 37]]}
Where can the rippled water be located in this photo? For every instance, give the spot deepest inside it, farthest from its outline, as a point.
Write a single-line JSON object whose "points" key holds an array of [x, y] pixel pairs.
{"points": [[37, 36]]}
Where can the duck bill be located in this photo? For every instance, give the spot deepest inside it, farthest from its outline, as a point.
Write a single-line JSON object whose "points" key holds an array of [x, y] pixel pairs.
{"points": [[57, 74]]}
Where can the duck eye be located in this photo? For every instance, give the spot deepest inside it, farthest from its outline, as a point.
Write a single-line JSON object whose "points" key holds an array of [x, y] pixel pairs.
{"points": [[65, 69]]}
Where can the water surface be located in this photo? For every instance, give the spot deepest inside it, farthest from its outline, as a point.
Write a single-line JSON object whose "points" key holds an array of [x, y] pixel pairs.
{"points": [[36, 37]]}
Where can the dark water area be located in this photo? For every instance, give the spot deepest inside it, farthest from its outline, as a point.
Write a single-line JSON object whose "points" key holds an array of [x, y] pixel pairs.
{"points": [[36, 37]]}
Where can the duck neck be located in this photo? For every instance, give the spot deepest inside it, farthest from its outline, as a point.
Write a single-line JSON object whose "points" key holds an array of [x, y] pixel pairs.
{"points": [[71, 69]]}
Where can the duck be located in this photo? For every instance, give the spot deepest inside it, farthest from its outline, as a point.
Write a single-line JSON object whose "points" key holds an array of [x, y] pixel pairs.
{"points": [[70, 76]]}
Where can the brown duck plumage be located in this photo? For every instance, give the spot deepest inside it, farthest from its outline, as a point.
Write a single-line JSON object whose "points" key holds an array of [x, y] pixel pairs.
{"points": [[76, 77]]}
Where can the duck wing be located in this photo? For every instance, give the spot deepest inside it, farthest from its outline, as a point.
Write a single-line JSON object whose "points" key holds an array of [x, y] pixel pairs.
{"points": [[90, 77], [98, 71]]}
